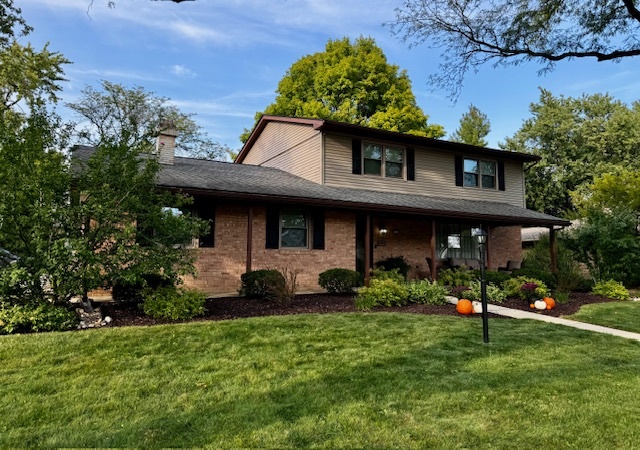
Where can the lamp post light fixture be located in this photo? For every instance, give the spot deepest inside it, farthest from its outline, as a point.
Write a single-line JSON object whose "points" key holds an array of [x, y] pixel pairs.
{"points": [[481, 236]]}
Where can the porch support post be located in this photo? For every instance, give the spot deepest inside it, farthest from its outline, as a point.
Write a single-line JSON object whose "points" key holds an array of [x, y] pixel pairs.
{"points": [[367, 249], [488, 247], [249, 238], [553, 249], [432, 250]]}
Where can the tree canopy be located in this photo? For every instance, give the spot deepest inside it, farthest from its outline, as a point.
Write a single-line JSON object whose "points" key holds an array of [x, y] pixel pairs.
{"points": [[130, 116], [474, 127], [474, 32], [353, 83], [578, 139]]}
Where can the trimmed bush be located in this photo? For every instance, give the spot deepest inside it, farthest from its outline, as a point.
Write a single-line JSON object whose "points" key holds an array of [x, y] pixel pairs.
{"points": [[492, 277], [263, 284], [382, 293], [426, 292], [611, 289], [30, 318], [544, 275], [339, 281], [173, 303], [395, 262]]}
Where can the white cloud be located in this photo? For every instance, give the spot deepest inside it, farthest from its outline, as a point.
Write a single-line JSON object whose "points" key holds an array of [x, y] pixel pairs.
{"points": [[182, 71]]}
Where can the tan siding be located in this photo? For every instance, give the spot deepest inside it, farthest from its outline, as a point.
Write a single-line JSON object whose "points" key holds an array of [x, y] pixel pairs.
{"points": [[294, 148], [435, 175]]}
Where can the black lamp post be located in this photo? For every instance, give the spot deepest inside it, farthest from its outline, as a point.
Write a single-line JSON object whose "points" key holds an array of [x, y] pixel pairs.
{"points": [[481, 235]]}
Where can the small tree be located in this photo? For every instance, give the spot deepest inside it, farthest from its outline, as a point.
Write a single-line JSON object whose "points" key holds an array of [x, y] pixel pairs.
{"points": [[474, 127]]}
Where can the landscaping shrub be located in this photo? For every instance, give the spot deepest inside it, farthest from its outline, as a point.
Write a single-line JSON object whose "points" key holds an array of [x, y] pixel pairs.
{"points": [[264, 284], [385, 292], [286, 292], [130, 290], [393, 274], [35, 318], [611, 289], [544, 275], [513, 287], [426, 292], [459, 292], [494, 293], [395, 262], [339, 281], [561, 297], [456, 277], [173, 303]]}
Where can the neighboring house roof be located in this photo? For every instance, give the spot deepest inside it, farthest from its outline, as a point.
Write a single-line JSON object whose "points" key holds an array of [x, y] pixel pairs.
{"points": [[534, 234], [383, 135], [249, 182]]}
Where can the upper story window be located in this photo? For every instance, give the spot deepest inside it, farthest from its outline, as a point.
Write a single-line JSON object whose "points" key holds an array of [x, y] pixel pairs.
{"points": [[294, 229], [479, 173], [383, 160]]}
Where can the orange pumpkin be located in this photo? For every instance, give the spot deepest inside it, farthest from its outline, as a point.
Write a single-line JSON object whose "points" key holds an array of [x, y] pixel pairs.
{"points": [[464, 306], [551, 303], [531, 305]]}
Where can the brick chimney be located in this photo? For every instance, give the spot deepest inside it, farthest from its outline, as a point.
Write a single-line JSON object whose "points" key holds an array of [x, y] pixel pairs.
{"points": [[166, 142]]}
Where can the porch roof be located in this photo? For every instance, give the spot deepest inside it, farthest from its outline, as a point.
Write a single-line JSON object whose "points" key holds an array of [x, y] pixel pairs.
{"points": [[248, 182]]}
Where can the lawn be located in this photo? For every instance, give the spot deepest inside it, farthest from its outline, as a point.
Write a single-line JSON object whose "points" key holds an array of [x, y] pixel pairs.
{"points": [[336, 380], [620, 315]]}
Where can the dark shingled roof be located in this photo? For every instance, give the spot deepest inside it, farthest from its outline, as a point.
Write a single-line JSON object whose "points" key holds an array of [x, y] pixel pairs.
{"points": [[239, 181]]}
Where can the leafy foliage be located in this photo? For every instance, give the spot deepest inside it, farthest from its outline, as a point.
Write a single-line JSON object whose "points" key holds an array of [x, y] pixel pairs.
{"points": [[474, 127], [395, 262], [609, 245], [461, 276], [611, 289], [173, 303], [385, 292], [426, 292], [35, 318], [262, 284], [578, 139], [513, 287], [339, 281], [474, 32], [353, 83], [131, 117], [494, 293], [393, 274]]}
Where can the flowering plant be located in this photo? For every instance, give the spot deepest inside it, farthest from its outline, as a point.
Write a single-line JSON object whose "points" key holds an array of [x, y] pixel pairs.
{"points": [[529, 290]]}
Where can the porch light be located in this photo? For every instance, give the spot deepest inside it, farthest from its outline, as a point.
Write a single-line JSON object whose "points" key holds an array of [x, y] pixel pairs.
{"points": [[383, 230], [481, 236]]}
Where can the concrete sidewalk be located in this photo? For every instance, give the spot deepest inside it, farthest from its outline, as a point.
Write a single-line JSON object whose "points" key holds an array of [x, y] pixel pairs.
{"points": [[518, 314]]}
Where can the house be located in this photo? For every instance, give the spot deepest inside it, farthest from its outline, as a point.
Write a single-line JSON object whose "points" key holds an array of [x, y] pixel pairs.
{"points": [[311, 195]]}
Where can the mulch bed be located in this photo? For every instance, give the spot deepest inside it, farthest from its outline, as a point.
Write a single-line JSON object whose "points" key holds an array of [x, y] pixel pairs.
{"points": [[238, 307]]}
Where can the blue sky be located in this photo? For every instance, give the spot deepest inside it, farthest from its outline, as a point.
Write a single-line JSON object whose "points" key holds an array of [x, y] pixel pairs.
{"points": [[223, 59]]}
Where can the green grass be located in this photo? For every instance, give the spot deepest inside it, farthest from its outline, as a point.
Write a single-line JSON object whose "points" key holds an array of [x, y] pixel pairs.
{"points": [[620, 315], [347, 380]]}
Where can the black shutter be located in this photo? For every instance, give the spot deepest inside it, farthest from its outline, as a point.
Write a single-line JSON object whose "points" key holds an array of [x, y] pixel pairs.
{"points": [[356, 157], [501, 185], [273, 228], [318, 229], [459, 172], [411, 164]]}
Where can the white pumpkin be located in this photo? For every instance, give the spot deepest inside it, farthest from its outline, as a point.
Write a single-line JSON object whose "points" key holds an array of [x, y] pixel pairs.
{"points": [[540, 304], [477, 307]]}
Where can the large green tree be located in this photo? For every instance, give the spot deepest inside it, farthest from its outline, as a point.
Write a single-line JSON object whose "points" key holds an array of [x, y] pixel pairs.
{"points": [[472, 33], [577, 139], [353, 83], [474, 127], [130, 116]]}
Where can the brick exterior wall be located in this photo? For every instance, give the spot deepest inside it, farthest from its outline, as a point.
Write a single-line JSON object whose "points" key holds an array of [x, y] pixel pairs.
{"points": [[220, 268], [505, 245]]}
